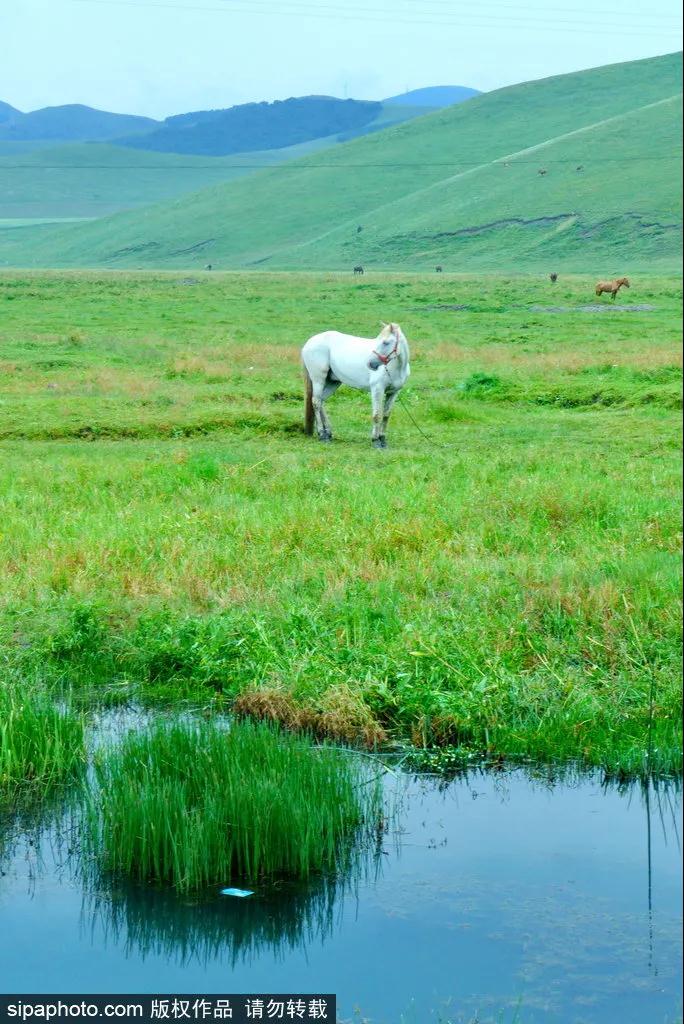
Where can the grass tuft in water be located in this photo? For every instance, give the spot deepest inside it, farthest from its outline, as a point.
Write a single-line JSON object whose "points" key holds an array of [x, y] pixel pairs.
{"points": [[193, 805], [41, 746]]}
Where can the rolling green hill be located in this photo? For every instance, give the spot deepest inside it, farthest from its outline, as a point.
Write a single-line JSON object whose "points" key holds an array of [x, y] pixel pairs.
{"points": [[42, 181], [460, 187], [434, 96], [87, 180]]}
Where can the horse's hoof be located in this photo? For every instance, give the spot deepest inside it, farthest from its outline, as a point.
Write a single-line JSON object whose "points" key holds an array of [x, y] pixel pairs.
{"points": [[379, 442], [325, 437]]}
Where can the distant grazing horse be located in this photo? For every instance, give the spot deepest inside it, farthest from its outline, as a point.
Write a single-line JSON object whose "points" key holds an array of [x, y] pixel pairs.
{"points": [[358, 269], [612, 286], [438, 270], [379, 365], [542, 171], [208, 266], [580, 167], [554, 278]]}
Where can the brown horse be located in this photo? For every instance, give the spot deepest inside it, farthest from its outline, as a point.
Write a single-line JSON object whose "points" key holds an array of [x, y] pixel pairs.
{"points": [[613, 287], [358, 269], [554, 278]]}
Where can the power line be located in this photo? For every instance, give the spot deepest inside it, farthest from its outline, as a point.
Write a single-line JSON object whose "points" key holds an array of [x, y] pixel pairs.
{"points": [[617, 12], [321, 13], [307, 6], [296, 165]]}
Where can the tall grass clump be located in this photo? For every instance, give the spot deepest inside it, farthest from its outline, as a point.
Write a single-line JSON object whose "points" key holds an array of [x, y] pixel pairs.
{"points": [[41, 746], [194, 804]]}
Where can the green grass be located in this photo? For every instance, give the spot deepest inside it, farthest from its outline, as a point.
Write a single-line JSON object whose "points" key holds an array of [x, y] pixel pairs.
{"points": [[194, 805], [41, 746], [166, 531], [85, 180], [459, 187]]}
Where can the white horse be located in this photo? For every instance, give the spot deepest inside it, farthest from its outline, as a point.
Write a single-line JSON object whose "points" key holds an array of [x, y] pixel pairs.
{"points": [[379, 365]]}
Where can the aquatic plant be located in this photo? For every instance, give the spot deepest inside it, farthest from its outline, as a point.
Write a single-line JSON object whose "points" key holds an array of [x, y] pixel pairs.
{"points": [[196, 804], [41, 745]]}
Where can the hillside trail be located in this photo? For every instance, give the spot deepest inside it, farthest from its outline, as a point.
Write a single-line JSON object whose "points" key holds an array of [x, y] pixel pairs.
{"points": [[410, 197]]}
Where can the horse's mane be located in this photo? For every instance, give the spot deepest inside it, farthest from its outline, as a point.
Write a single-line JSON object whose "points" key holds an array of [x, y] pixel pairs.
{"points": [[389, 329]]}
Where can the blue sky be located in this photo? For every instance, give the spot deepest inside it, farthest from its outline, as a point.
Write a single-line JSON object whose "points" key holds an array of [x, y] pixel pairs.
{"points": [[159, 57]]}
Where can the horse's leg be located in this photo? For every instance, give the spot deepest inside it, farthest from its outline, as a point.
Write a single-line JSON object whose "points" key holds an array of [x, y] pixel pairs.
{"points": [[390, 398], [330, 388], [377, 400], [325, 433], [317, 398]]}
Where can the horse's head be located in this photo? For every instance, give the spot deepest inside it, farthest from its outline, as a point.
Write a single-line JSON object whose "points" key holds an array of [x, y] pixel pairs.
{"points": [[386, 345], [624, 282]]}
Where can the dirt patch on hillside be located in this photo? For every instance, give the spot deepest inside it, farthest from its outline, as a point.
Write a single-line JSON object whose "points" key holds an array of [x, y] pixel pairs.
{"points": [[593, 308], [434, 309]]}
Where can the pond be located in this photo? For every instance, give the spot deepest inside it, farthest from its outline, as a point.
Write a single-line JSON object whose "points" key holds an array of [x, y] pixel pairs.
{"points": [[507, 896]]}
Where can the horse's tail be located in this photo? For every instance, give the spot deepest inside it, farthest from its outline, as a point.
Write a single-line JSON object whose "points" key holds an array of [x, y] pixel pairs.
{"points": [[308, 404]]}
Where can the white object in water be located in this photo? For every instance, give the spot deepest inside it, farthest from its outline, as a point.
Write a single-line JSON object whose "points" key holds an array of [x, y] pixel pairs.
{"points": [[237, 892]]}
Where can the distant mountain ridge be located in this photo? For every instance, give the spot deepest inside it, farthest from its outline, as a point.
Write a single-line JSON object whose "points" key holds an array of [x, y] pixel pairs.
{"points": [[7, 112], [73, 122], [256, 126], [434, 96], [221, 132]]}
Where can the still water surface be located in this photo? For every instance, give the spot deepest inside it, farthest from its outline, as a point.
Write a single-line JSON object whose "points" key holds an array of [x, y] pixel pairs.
{"points": [[501, 897]]}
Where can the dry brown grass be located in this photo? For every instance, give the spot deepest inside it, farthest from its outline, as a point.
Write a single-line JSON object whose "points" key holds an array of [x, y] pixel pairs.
{"points": [[223, 363], [569, 360], [340, 714]]}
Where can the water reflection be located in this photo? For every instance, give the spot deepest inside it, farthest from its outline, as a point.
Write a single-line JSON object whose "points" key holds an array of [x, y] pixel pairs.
{"points": [[38, 838], [554, 891], [146, 921], [661, 794], [152, 922]]}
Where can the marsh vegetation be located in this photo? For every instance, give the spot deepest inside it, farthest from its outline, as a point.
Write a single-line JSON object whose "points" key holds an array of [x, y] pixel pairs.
{"points": [[193, 804], [42, 746]]}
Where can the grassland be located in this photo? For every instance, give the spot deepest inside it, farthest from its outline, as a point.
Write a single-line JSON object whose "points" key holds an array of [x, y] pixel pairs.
{"points": [[508, 583], [459, 187], [85, 180]]}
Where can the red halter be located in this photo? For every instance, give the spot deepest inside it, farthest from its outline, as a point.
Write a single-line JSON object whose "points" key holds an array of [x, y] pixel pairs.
{"points": [[385, 359]]}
